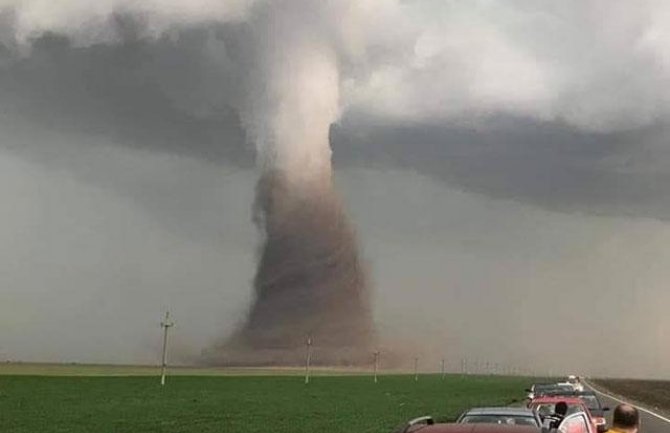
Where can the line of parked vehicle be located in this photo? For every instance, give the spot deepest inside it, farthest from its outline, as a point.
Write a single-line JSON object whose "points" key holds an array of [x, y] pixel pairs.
{"points": [[565, 407]]}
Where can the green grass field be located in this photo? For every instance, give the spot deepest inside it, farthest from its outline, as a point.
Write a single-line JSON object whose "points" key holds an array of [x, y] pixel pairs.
{"points": [[262, 403]]}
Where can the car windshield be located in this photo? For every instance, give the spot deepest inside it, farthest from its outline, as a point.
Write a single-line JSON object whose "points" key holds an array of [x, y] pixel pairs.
{"points": [[543, 387], [553, 389], [591, 401], [500, 419], [563, 389], [544, 409]]}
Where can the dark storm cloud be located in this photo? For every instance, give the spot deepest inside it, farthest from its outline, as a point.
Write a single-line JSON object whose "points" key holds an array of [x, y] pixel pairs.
{"points": [[128, 92], [546, 164], [63, 106], [168, 95]]}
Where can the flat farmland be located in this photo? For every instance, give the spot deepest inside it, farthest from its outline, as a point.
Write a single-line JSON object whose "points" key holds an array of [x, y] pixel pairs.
{"points": [[263, 402], [654, 394]]}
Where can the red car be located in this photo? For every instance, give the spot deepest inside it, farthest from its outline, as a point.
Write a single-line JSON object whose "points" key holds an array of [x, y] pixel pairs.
{"points": [[544, 406], [593, 403]]}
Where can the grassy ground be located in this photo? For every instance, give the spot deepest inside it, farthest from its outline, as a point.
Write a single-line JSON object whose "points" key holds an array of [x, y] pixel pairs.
{"points": [[232, 404], [653, 393]]}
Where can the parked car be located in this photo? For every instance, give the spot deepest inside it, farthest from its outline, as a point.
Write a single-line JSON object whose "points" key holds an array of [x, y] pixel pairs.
{"points": [[546, 408], [575, 423], [593, 404], [500, 415], [540, 389], [576, 383]]}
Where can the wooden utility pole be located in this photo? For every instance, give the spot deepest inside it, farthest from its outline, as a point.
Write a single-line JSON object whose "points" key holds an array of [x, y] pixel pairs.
{"points": [[309, 358], [416, 369], [376, 367], [443, 370], [166, 324]]}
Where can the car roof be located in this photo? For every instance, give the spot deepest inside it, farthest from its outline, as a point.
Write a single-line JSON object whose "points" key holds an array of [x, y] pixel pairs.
{"points": [[556, 399], [478, 428], [559, 393], [566, 393], [556, 386], [523, 411]]}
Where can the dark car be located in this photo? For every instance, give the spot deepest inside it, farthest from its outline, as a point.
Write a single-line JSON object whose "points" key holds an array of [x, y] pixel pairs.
{"points": [[501, 415], [542, 389]]}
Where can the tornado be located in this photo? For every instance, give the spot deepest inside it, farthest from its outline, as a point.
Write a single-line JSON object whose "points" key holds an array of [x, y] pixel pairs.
{"points": [[310, 282]]}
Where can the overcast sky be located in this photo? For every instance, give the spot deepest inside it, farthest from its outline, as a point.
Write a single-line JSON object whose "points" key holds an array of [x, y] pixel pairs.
{"points": [[506, 165]]}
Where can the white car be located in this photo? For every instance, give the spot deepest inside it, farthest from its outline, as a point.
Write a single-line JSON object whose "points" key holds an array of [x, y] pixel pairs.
{"points": [[576, 383]]}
